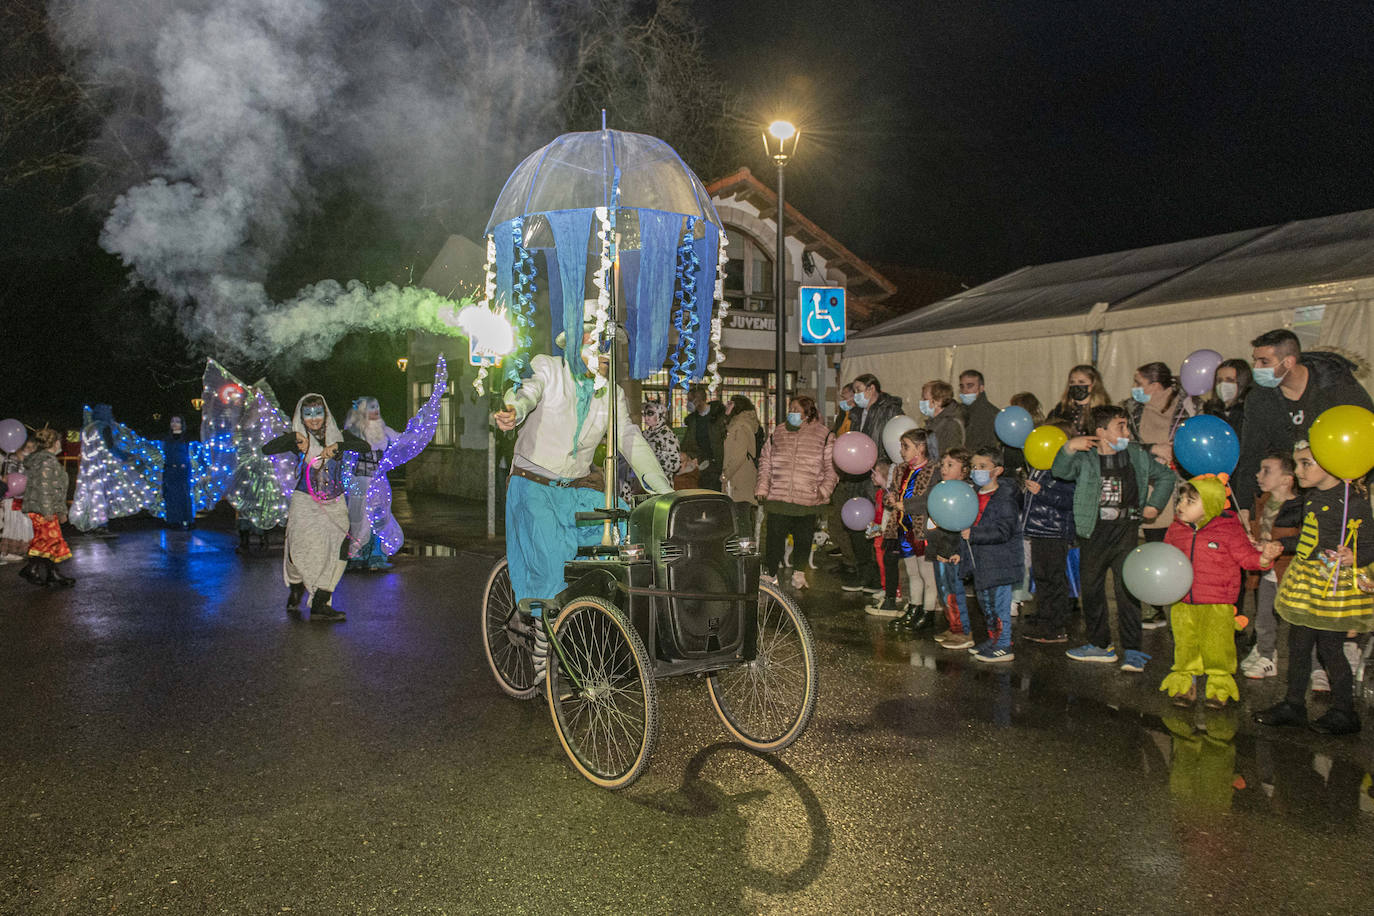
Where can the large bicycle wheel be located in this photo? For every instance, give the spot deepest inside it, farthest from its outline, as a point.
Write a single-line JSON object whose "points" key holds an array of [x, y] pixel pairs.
{"points": [[767, 703], [601, 693], [507, 637]]}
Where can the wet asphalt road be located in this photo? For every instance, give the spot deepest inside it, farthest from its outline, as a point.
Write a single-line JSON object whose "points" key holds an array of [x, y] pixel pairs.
{"points": [[171, 741]]}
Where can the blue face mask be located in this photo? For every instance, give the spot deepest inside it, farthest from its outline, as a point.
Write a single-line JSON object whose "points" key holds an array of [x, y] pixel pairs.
{"points": [[980, 477], [1264, 377], [861, 398], [794, 418], [1120, 444], [967, 399], [926, 409], [1140, 395], [846, 405]]}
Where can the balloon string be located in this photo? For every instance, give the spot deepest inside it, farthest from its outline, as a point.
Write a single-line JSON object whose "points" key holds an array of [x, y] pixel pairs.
{"points": [[1346, 538]]}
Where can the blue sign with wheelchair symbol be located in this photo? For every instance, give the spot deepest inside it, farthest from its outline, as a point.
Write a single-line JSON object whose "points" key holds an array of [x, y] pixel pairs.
{"points": [[822, 315]]}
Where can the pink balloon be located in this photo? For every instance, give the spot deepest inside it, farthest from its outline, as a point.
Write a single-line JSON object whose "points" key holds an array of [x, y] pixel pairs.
{"points": [[857, 513], [1199, 371], [16, 484], [855, 453]]}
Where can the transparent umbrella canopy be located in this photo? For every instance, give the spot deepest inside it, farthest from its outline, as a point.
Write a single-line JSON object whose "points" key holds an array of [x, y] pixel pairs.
{"points": [[580, 170]]}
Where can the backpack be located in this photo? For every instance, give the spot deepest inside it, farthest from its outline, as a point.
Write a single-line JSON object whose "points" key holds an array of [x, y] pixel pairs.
{"points": [[759, 439]]}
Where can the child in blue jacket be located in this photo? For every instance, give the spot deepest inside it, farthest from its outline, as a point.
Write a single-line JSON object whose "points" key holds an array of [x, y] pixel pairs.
{"points": [[994, 552]]}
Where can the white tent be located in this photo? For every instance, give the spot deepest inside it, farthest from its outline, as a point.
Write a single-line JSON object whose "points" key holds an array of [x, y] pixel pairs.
{"points": [[1024, 330]]}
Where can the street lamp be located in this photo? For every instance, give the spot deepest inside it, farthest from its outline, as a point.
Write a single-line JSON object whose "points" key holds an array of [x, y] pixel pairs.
{"points": [[780, 142], [402, 363]]}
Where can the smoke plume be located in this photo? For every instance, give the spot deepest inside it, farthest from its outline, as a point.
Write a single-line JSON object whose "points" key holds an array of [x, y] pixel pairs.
{"points": [[230, 120]]}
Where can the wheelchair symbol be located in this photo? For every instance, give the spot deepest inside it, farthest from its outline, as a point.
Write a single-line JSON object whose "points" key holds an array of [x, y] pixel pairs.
{"points": [[820, 323]]}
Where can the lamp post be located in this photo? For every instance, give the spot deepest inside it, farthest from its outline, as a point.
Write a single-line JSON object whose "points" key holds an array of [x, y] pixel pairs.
{"points": [[782, 147]]}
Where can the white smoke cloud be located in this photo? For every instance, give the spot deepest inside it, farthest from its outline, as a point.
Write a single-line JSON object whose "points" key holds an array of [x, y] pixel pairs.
{"points": [[230, 119]]}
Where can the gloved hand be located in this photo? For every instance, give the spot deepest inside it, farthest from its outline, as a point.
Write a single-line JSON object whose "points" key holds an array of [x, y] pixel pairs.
{"points": [[657, 483]]}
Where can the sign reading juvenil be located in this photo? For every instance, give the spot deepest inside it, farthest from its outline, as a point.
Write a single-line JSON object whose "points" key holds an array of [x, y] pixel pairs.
{"points": [[751, 321]]}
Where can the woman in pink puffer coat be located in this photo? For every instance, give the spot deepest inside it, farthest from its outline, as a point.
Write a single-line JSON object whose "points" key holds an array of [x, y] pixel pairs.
{"points": [[796, 477]]}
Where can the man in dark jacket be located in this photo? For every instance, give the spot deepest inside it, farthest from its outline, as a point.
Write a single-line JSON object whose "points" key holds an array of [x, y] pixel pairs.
{"points": [[978, 413], [705, 440], [872, 410], [1291, 390]]}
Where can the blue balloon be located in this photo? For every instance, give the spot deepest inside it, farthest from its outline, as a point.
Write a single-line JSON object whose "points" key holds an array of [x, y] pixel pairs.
{"points": [[1013, 425], [1206, 445], [953, 505]]}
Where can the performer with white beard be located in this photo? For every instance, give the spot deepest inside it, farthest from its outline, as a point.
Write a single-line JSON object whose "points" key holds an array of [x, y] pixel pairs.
{"points": [[365, 421]]}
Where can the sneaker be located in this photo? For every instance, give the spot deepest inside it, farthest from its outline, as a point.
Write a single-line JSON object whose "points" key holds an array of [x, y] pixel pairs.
{"points": [[1154, 623], [1135, 661], [1336, 722], [993, 655], [1091, 653], [852, 586], [1319, 683], [952, 640], [799, 580], [886, 609], [767, 579], [872, 589], [983, 646], [1260, 668], [1016, 609], [1047, 637]]}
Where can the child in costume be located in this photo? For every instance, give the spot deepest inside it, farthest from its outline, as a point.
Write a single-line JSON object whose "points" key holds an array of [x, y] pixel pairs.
{"points": [[364, 420], [944, 544], [1204, 622], [1320, 595], [317, 537], [904, 535], [45, 501]]}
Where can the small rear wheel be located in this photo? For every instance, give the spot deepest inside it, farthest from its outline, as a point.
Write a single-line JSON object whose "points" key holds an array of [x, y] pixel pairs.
{"points": [[507, 636], [767, 703], [601, 693]]}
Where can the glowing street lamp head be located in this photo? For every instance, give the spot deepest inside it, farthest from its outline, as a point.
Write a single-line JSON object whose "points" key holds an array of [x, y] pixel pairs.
{"points": [[782, 130]]}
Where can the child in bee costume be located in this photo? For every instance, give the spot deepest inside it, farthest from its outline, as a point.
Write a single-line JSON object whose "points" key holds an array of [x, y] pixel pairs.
{"points": [[1321, 596]]}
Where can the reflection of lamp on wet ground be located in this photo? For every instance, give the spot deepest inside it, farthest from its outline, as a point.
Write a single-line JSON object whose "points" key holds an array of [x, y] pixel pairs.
{"points": [[780, 141]]}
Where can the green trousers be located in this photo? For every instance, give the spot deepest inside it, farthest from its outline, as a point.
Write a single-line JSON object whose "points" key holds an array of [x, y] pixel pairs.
{"points": [[1204, 644]]}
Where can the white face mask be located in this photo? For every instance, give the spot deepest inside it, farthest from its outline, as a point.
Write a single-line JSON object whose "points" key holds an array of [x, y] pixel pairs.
{"points": [[703, 410], [1227, 391], [967, 399], [861, 398]]}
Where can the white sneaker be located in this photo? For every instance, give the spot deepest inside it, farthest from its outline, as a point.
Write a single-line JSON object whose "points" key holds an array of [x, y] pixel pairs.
{"points": [[767, 579], [1319, 682], [1260, 668], [1250, 659], [799, 580], [1016, 609]]}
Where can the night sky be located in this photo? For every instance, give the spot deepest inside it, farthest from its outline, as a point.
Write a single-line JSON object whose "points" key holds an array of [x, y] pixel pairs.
{"points": [[978, 137]]}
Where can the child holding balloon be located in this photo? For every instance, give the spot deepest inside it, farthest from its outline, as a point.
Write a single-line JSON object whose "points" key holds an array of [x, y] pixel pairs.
{"points": [[993, 545], [1204, 621], [1320, 594], [943, 544]]}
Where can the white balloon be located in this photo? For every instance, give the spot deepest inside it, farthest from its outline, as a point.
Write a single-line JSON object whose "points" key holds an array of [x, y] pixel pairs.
{"points": [[892, 435]]}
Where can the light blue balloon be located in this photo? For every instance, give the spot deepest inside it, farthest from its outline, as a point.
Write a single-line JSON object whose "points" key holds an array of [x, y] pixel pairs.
{"points": [[1206, 445], [1013, 425], [953, 505], [1157, 573]]}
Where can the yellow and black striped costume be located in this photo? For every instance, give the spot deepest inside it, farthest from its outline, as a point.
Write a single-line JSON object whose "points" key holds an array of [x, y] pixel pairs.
{"points": [[1312, 593]]}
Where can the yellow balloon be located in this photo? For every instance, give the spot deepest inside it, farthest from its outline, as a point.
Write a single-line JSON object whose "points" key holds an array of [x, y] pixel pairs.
{"points": [[1343, 441], [1042, 445]]}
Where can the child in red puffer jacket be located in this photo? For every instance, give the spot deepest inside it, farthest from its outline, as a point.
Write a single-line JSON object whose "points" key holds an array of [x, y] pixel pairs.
{"points": [[1204, 622]]}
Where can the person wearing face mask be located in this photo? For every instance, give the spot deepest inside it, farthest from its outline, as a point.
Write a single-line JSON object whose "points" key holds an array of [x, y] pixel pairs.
{"points": [[316, 549], [978, 413], [873, 408], [845, 405], [942, 419], [1292, 389], [1117, 485], [1082, 392], [1230, 387], [176, 477], [796, 477], [739, 472], [705, 440]]}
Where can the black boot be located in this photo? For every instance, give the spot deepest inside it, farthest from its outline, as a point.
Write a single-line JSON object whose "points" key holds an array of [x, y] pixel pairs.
{"points": [[55, 579], [320, 609], [31, 572], [925, 621], [293, 599], [905, 621], [243, 541]]}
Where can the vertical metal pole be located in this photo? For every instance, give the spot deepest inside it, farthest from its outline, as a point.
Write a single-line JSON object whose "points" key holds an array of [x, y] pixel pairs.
{"points": [[779, 289], [491, 482], [609, 530], [821, 369]]}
